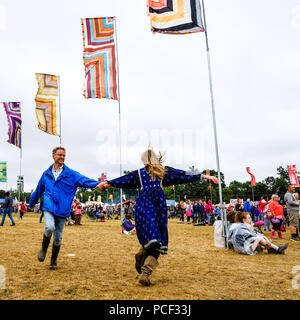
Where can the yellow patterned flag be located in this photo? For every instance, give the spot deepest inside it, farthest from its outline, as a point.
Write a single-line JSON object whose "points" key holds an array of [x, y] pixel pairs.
{"points": [[47, 103], [3, 172]]}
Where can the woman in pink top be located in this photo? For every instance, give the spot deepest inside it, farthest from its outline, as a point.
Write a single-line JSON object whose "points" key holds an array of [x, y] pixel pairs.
{"points": [[188, 211], [209, 210], [77, 214]]}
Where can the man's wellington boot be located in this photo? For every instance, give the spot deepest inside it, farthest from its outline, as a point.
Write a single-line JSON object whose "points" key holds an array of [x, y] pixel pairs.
{"points": [[55, 251], [150, 264], [140, 259], [43, 250]]}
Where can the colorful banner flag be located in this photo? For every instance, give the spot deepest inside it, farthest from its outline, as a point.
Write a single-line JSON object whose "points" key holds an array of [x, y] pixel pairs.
{"points": [[175, 16], [3, 172], [13, 112], [103, 177], [99, 58], [253, 182], [293, 175], [47, 103]]}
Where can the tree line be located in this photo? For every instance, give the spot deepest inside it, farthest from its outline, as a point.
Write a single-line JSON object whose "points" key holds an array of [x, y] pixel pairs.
{"points": [[235, 189]]}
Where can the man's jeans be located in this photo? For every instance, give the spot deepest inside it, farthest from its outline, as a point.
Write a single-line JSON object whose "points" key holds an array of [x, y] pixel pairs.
{"points": [[55, 225], [8, 211]]}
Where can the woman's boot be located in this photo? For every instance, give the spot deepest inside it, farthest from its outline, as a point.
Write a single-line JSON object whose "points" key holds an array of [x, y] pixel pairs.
{"points": [[140, 259], [273, 235], [43, 251], [55, 251], [150, 264]]}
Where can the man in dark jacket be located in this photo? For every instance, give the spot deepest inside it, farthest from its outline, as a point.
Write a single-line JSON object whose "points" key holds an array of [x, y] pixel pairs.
{"points": [[200, 209], [8, 209], [58, 184]]}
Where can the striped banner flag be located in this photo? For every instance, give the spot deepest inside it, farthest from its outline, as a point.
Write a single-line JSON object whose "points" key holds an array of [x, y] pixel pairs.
{"points": [[175, 16], [253, 182], [13, 112], [293, 175], [46, 101], [99, 58]]}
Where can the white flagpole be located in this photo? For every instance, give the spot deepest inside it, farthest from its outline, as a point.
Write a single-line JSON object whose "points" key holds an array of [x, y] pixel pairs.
{"points": [[119, 101], [59, 105], [19, 191], [223, 211]]}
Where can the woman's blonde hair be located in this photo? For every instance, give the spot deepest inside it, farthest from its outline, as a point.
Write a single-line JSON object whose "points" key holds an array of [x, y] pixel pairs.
{"points": [[153, 165], [273, 196]]}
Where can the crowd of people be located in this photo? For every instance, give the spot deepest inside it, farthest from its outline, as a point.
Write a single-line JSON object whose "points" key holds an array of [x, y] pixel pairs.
{"points": [[195, 212], [244, 219]]}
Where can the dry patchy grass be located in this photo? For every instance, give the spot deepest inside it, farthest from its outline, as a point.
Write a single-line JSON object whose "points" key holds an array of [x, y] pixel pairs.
{"points": [[103, 266]]}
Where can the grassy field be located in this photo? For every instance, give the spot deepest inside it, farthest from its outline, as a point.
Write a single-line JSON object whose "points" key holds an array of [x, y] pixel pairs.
{"points": [[103, 266]]}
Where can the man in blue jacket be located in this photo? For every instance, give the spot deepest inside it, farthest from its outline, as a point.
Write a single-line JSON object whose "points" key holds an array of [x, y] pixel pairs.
{"points": [[58, 184], [247, 206]]}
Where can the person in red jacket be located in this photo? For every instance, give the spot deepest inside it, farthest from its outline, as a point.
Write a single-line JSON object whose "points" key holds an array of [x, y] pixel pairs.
{"points": [[23, 209], [261, 207]]}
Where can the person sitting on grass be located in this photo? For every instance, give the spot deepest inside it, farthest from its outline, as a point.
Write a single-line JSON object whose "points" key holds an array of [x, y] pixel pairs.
{"points": [[100, 216], [246, 240], [128, 227]]}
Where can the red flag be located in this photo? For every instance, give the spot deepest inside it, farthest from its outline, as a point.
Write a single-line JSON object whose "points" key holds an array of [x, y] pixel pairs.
{"points": [[103, 177], [293, 175], [253, 182]]}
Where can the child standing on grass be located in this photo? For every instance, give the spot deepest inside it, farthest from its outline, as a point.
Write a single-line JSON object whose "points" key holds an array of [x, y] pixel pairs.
{"points": [[267, 224], [151, 216]]}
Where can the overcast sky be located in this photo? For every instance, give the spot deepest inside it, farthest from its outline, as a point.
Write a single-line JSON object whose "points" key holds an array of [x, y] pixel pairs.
{"points": [[165, 98]]}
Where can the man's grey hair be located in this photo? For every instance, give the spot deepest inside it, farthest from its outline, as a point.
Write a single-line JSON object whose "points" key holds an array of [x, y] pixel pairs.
{"points": [[57, 148]]}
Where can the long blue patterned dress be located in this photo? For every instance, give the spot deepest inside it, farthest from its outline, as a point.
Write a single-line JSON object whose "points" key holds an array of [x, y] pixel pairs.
{"points": [[151, 216]]}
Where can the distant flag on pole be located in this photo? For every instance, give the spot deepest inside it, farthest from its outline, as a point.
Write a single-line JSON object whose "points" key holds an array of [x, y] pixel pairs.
{"points": [[99, 58], [13, 112], [293, 175], [46, 101], [175, 16], [253, 182], [103, 177]]}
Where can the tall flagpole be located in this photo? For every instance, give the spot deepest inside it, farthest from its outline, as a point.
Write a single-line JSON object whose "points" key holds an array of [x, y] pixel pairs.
{"points": [[59, 105], [119, 101], [19, 191], [20, 170], [223, 211]]}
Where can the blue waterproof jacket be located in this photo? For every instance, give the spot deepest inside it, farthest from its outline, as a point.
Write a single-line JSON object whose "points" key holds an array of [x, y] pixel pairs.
{"points": [[59, 193], [247, 206]]}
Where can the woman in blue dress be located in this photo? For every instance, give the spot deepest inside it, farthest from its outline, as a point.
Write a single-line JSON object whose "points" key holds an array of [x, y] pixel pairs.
{"points": [[151, 215]]}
